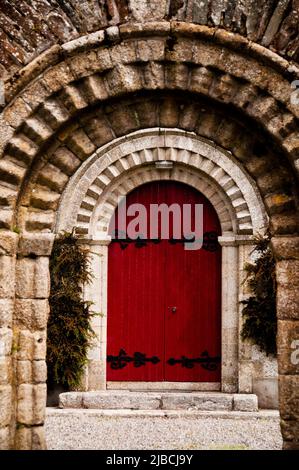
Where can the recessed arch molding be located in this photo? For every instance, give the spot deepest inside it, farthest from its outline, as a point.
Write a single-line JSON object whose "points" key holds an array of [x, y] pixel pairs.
{"points": [[91, 196]]}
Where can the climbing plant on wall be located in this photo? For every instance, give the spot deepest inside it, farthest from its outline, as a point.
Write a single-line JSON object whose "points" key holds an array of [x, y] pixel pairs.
{"points": [[69, 330], [259, 311]]}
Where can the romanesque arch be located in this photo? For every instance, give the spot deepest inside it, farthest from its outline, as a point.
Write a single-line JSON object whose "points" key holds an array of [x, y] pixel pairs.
{"points": [[105, 176], [92, 195], [80, 96]]}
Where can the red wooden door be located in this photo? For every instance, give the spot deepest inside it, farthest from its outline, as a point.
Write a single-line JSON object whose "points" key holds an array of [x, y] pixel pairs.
{"points": [[163, 300]]}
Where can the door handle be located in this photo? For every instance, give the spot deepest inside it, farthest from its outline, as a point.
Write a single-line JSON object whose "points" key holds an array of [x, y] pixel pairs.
{"points": [[173, 309]]}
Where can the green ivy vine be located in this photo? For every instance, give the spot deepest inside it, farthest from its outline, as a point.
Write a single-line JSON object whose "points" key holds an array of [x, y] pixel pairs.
{"points": [[259, 311], [69, 329]]}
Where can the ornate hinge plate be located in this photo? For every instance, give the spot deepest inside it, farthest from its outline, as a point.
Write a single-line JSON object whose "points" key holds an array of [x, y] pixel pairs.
{"points": [[205, 360], [210, 241], [123, 359]]}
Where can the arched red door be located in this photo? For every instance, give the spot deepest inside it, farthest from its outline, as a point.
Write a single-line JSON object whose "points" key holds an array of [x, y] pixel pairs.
{"points": [[164, 320]]}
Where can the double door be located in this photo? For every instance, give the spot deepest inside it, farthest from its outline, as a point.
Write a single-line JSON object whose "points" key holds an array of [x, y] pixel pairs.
{"points": [[163, 300]]}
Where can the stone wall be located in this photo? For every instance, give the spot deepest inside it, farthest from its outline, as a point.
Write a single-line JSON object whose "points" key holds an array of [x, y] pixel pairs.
{"points": [[258, 373], [265, 379], [8, 248], [287, 255], [77, 96], [25, 283], [28, 28]]}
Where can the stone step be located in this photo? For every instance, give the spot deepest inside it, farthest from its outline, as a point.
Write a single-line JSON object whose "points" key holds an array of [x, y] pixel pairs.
{"points": [[127, 400]]}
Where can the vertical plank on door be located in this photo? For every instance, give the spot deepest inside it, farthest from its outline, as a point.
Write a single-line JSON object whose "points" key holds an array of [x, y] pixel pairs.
{"points": [[144, 283]]}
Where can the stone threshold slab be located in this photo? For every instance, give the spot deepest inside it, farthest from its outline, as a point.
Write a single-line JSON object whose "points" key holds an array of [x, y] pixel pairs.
{"points": [[125, 400], [238, 415], [159, 387]]}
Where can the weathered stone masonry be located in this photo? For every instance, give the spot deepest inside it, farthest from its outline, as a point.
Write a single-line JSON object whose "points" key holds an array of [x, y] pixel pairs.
{"points": [[29, 28], [137, 69]]}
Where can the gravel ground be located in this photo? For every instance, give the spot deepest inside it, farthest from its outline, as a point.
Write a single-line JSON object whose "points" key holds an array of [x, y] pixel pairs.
{"points": [[83, 429]]}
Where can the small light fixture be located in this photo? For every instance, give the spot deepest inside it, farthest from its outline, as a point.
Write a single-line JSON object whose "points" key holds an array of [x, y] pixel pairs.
{"points": [[164, 165]]}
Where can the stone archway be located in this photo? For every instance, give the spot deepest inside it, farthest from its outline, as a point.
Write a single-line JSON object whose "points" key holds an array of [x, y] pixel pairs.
{"points": [[89, 201], [64, 107], [99, 181]]}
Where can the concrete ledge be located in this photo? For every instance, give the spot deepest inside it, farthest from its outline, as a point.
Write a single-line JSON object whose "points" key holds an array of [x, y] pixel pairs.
{"points": [[238, 415], [196, 401], [245, 402], [71, 400], [129, 400], [186, 401]]}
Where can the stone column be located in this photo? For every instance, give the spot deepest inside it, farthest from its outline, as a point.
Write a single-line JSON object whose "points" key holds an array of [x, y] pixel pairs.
{"points": [[30, 336], [96, 292], [286, 250], [245, 348], [8, 246], [230, 326]]}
